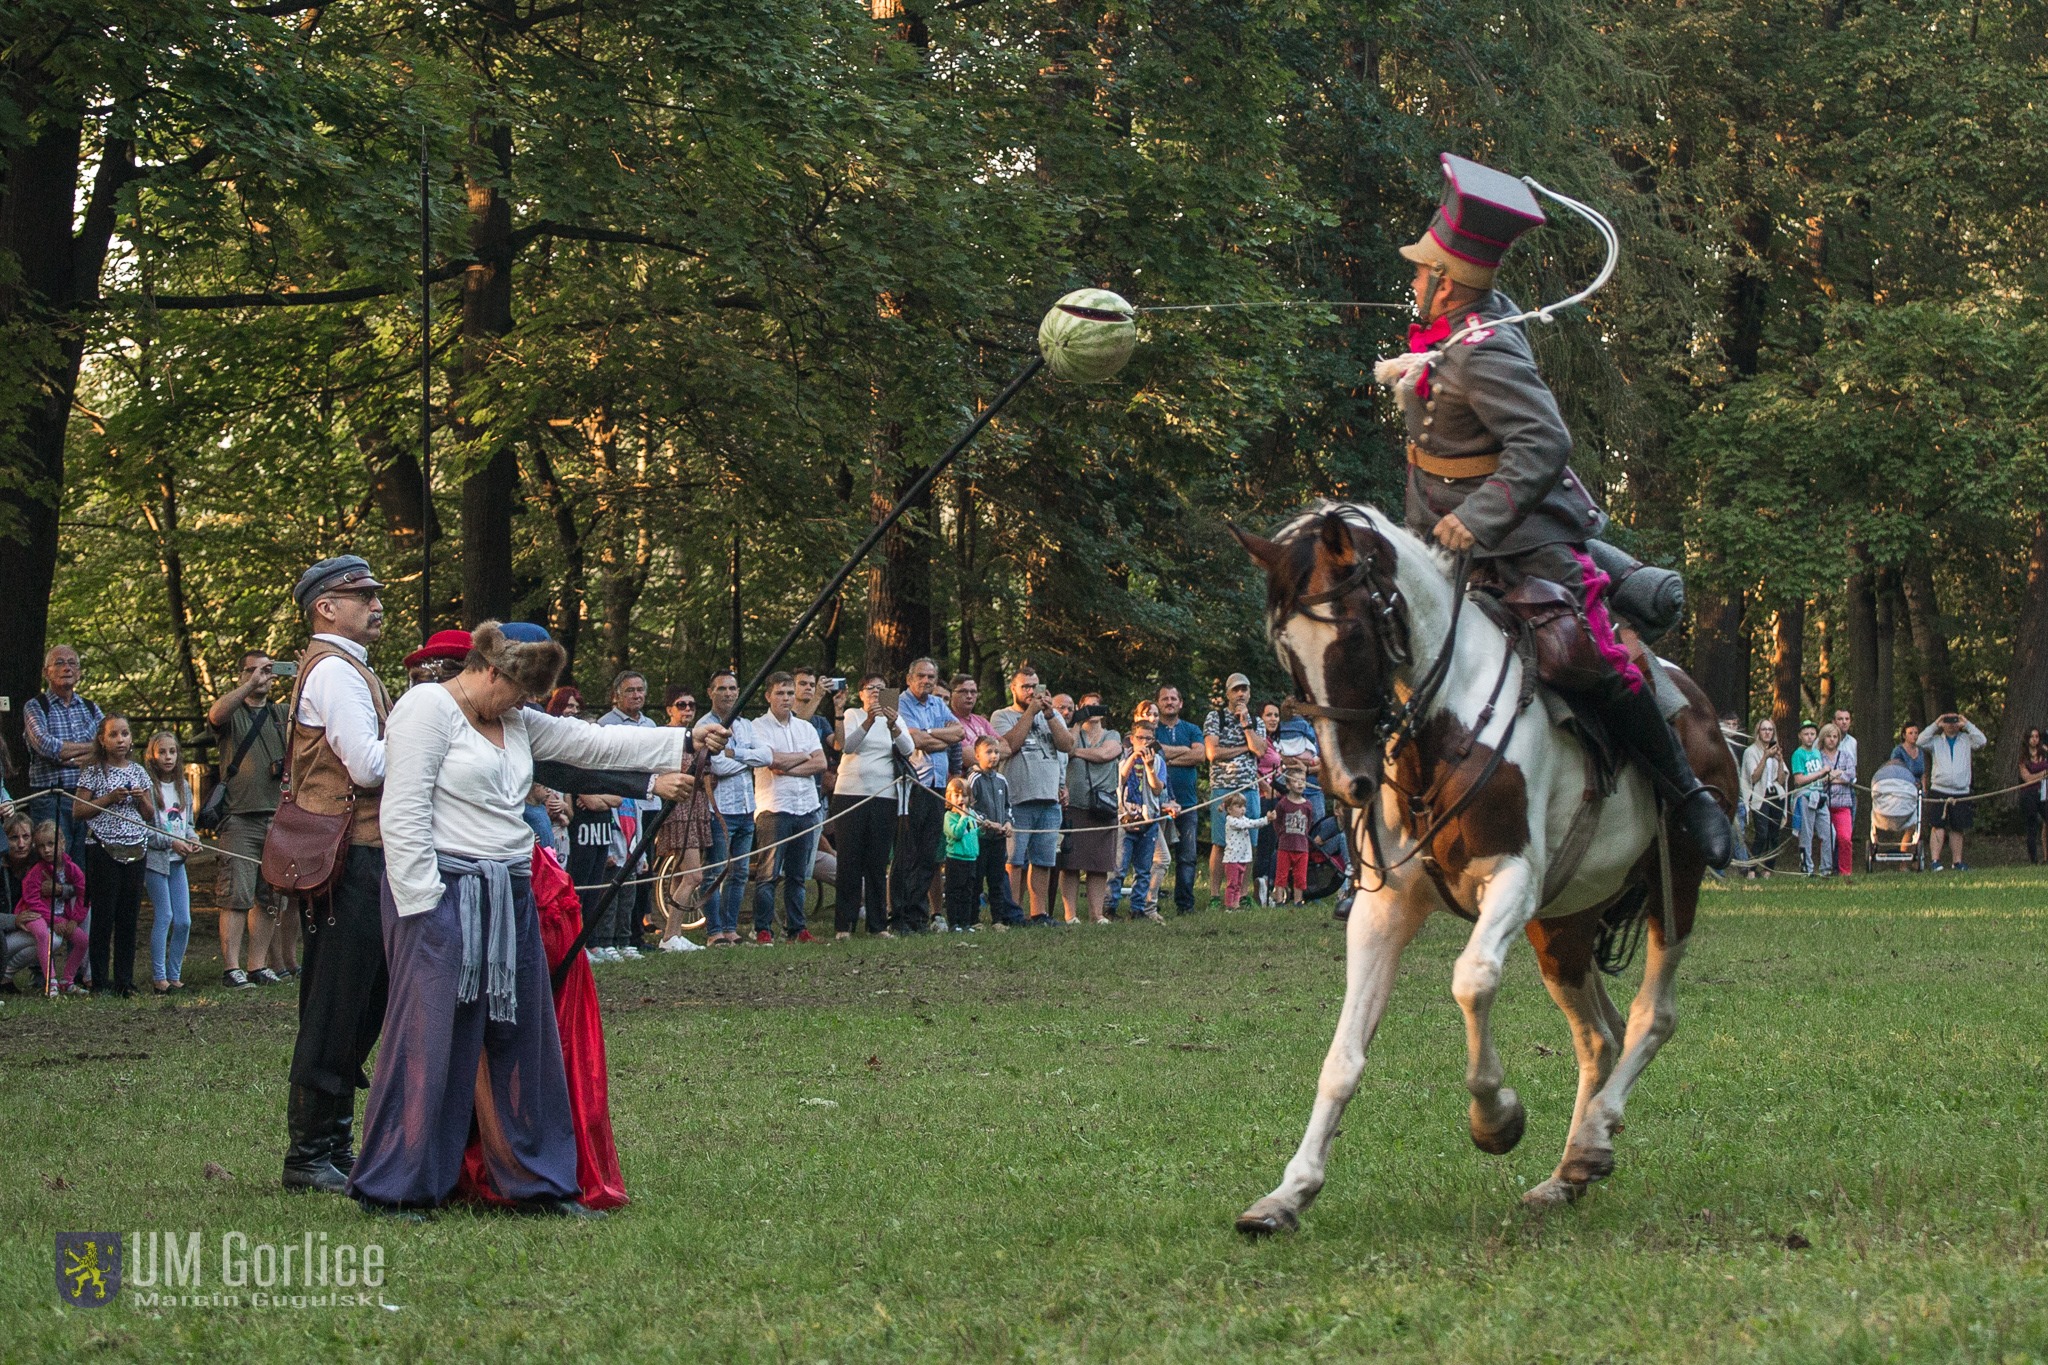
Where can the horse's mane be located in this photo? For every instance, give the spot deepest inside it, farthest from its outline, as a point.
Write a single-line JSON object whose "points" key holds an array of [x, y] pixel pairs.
{"points": [[1411, 552]]}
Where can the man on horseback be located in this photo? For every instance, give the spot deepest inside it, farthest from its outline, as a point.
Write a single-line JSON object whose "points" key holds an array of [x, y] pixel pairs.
{"points": [[1487, 472]]}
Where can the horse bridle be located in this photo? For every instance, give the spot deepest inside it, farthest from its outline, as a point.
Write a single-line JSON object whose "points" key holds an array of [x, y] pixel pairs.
{"points": [[1394, 725]]}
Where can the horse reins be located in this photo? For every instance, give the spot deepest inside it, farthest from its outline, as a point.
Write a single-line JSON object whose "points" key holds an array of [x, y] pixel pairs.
{"points": [[1395, 726]]}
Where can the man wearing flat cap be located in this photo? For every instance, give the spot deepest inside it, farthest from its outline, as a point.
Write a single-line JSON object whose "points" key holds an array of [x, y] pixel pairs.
{"points": [[336, 751], [1487, 472]]}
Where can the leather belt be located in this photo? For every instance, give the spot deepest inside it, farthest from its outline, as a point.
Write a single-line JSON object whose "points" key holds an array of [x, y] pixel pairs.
{"points": [[1454, 466]]}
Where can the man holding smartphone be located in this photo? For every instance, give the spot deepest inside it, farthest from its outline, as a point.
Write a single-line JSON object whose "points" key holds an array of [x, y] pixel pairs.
{"points": [[1948, 746], [1234, 740], [1034, 736], [253, 785]]}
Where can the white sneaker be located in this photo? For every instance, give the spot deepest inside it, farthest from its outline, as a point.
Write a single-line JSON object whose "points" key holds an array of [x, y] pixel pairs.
{"points": [[604, 955], [626, 954], [679, 944]]}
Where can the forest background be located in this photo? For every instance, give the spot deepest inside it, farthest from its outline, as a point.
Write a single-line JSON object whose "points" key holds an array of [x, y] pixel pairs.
{"points": [[712, 283]]}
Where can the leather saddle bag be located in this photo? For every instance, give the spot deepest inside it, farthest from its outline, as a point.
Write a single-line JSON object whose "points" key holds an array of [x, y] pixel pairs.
{"points": [[1566, 657], [304, 852]]}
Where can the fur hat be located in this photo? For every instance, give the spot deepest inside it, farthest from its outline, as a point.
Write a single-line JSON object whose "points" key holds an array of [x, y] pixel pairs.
{"points": [[534, 666]]}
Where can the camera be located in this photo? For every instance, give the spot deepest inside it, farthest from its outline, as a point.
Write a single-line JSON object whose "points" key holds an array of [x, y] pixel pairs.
{"points": [[1088, 713], [833, 684], [286, 668]]}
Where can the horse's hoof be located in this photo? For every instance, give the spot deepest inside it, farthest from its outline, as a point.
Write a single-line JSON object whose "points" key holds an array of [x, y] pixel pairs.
{"points": [[1584, 1165], [1500, 1139], [1552, 1193], [1267, 1217]]}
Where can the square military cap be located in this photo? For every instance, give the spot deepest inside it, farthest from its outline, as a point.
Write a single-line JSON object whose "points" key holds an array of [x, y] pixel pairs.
{"points": [[343, 573], [1482, 212]]}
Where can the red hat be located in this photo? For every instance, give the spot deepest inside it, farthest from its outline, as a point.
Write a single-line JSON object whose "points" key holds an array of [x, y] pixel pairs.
{"points": [[442, 644]]}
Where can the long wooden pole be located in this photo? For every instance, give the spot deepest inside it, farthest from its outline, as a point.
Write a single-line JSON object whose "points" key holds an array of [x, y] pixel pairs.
{"points": [[649, 828]]}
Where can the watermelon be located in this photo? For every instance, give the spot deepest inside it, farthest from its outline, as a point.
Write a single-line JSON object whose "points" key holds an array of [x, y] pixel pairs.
{"points": [[1088, 336]]}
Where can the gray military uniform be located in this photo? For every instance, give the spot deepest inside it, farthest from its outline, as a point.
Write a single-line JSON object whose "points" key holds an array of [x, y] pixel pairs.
{"points": [[1486, 398]]}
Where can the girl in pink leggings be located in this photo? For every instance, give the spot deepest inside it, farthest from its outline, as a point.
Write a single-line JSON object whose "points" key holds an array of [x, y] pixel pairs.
{"points": [[53, 904]]}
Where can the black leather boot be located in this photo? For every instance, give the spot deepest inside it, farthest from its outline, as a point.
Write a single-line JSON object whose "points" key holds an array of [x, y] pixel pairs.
{"points": [[1651, 741], [341, 1130], [308, 1164]]}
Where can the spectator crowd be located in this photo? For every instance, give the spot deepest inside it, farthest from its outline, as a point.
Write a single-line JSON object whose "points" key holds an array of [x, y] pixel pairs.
{"points": [[916, 806]]}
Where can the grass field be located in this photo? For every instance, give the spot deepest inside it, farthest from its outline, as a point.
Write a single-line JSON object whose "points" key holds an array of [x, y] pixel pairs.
{"points": [[1032, 1146]]}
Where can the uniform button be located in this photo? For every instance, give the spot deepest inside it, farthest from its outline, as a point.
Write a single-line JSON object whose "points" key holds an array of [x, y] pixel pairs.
{"points": [[1427, 420]]}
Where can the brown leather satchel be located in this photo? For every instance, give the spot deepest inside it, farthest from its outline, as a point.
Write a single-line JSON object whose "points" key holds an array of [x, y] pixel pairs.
{"points": [[1566, 657], [304, 853]]}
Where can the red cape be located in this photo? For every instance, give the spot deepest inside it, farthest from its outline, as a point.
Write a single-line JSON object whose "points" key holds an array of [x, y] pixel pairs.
{"points": [[582, 1030]]}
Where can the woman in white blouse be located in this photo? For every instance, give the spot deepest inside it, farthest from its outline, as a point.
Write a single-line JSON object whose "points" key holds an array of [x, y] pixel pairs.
{"points": [[864, 808], [469, 976]]}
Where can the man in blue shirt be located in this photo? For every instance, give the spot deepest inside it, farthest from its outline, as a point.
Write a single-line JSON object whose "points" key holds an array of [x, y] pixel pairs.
{"points": [[1180, 744], [933, 730]]}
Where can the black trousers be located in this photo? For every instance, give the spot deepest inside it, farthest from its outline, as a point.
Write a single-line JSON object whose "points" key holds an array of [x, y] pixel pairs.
{"points": [[1767, 827], [115, 890], [2032, 813], [991, 870], [863, 834], [342, 980], [919, 846], [963, 897]]}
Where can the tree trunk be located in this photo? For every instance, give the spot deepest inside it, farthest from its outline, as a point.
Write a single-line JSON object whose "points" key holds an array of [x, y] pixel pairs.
{"points": [[1720, 652], [1788, 662], [567, 626], [1885, 703], [163, 521], [899, 581], [1930, 640], [965, 584], [488, 494], [1824, 644], [2026, 685], [1872, 719], [55, 270]]}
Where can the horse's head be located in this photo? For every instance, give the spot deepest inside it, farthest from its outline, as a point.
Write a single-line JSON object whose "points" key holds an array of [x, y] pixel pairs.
{"points": [[1338, 624]]}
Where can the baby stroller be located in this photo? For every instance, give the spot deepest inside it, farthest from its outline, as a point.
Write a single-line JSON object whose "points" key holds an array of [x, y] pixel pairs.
{"points": [[1328, 865], [1896, 824]]}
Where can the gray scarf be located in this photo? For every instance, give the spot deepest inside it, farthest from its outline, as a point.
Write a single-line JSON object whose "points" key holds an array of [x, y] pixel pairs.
{"points": [[480, 880]]}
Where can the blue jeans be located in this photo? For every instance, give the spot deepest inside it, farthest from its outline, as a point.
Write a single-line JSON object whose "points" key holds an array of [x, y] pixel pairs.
{"points": [[170, 921], [70, 833], [792, 868], [1186, 854], [1217, 815], [1138, 846], [536, 818], [1036, 842], [732, 836]]}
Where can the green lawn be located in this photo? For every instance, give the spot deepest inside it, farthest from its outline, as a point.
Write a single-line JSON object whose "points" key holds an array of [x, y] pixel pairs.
{"points": [[1033, 1144]]}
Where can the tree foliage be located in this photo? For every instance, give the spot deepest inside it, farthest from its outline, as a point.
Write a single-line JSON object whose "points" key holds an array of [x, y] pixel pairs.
{"points": [[708, 276]]}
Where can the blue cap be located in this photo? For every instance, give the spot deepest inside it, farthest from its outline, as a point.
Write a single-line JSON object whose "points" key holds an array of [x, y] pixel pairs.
{"points": [[343, 573], [525, 632]]}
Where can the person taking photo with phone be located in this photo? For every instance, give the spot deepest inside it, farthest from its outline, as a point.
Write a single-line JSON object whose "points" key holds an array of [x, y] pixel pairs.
{"points": [[248, 729]]}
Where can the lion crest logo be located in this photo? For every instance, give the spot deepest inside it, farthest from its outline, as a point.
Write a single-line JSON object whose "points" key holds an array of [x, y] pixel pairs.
{"points": [[88, 1268]]}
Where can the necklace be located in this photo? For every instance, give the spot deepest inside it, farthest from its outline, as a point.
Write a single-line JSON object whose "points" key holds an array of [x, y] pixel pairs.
{"points": [[468, 704]]}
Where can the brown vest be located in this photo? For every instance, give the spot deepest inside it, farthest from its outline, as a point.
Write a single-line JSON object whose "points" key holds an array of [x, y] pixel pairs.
{"points": [[318, 779]]}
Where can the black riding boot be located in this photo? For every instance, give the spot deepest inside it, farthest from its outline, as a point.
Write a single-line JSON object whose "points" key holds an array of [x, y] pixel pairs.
{"points": [[341, 1132], [308, 1162], [1652, 742]]}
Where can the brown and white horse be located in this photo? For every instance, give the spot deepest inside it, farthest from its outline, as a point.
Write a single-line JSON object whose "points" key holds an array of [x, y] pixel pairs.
{"points": [[1359, 610]]}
